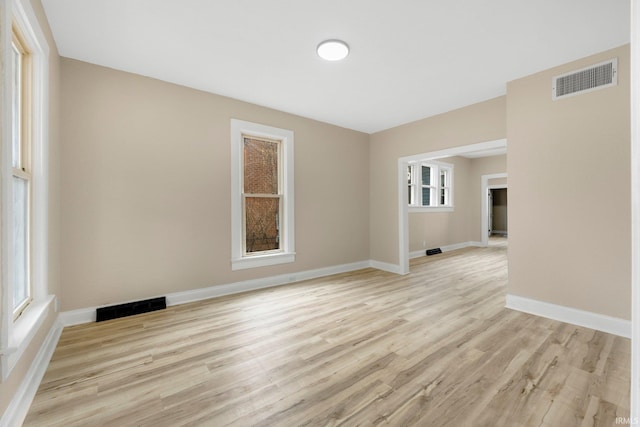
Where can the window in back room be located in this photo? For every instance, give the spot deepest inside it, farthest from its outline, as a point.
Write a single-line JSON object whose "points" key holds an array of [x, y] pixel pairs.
{"points": [[430, 185]]}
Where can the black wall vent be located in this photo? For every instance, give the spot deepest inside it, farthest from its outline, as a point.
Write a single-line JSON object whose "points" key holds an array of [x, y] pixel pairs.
{"points": [[130, 308], [434, 251]]}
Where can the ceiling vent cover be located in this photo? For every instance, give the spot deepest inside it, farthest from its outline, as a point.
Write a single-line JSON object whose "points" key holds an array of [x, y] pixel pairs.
{"points": [[588, 79]]}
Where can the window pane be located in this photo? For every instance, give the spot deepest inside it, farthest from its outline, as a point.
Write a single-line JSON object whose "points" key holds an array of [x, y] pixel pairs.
{"points": [[20, 242], [426, 175], [412, 194], [262, 224], [16, 108], [410, 175], [426, 196], [260, 166], [443, 178], [443, 199]]}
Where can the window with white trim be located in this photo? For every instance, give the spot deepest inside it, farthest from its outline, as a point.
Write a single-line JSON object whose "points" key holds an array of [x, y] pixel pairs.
{"points": [[262, 195], [430, 185], [445, 186], [411, 182], [24, 184]]}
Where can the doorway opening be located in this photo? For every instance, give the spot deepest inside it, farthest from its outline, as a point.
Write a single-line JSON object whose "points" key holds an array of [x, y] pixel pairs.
{"points": [[489, 183], [497, 220], [483, 149]]}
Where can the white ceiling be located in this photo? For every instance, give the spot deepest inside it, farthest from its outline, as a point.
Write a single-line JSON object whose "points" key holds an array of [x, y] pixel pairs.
{"points": [[409, 59]]}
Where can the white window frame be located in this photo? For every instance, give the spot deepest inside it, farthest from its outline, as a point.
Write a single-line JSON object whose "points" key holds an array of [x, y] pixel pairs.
{"points": [[435, 186], [15, 335], [21, 168], [434, 175], [412, 186], [239, 258], [446, 187]]}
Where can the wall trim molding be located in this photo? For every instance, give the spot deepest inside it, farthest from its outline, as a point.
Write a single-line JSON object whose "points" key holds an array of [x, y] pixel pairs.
{"points": [[87, 315], [22, 399], [418, 254], [384, 266], [78, 317], [588, 319], [447, 248], [457, 246]]}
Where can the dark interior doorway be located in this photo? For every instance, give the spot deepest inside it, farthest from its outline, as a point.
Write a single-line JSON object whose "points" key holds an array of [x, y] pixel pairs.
{"points": [[498, 217]]}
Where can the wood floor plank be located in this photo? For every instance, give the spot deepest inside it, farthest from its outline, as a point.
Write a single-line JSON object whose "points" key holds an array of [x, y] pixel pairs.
{"points": [[433, 348]]}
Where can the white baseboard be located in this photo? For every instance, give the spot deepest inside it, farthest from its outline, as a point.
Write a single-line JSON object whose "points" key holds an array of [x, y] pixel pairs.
{"points": [[391, 268], [599, 322], [447, 248], [87, 315], [78, 317], [456, 246], [21, 401], [261, 283], [477, 244]]}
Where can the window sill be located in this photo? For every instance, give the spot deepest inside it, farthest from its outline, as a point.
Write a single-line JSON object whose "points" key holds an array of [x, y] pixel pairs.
{"points": [[413, 209], [22, 332], [262, 260]]}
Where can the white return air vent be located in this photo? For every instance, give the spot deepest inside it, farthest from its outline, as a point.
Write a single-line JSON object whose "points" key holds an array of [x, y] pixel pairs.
{"points": [[598, 76]]}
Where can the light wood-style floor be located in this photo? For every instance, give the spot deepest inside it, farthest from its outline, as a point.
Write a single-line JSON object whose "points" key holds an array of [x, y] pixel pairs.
{"points": [[434, 348]]}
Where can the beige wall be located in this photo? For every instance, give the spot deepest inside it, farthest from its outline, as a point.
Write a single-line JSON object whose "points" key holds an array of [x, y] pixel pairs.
{"points": [[146, 188], [569, 186], [485, 121], [497, 181], [11, 384]]}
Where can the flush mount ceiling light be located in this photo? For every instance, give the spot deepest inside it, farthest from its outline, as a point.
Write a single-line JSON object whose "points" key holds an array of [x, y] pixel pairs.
{"points": [[333, 50]]}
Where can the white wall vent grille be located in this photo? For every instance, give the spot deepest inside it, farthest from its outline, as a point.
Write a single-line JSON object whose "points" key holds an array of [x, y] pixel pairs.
{"points": [[588, 79]]}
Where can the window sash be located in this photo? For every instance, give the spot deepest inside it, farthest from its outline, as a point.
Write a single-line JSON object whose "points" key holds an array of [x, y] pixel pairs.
{"points": [[264, 155], [21, 245], [21, 68], [428, 189], [431, 191], [411, 185], [16, 104], [445, 184], [246, 246]]}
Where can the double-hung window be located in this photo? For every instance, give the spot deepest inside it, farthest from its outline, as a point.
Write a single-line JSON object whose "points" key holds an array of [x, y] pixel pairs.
{"points": [[445, 186], [21, 181], [24, 185], [411, 183], [430, 185], [262, 195]]}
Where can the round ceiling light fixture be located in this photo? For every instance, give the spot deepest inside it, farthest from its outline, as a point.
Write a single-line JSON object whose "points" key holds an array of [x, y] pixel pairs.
{"points": [[333, 50]]}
